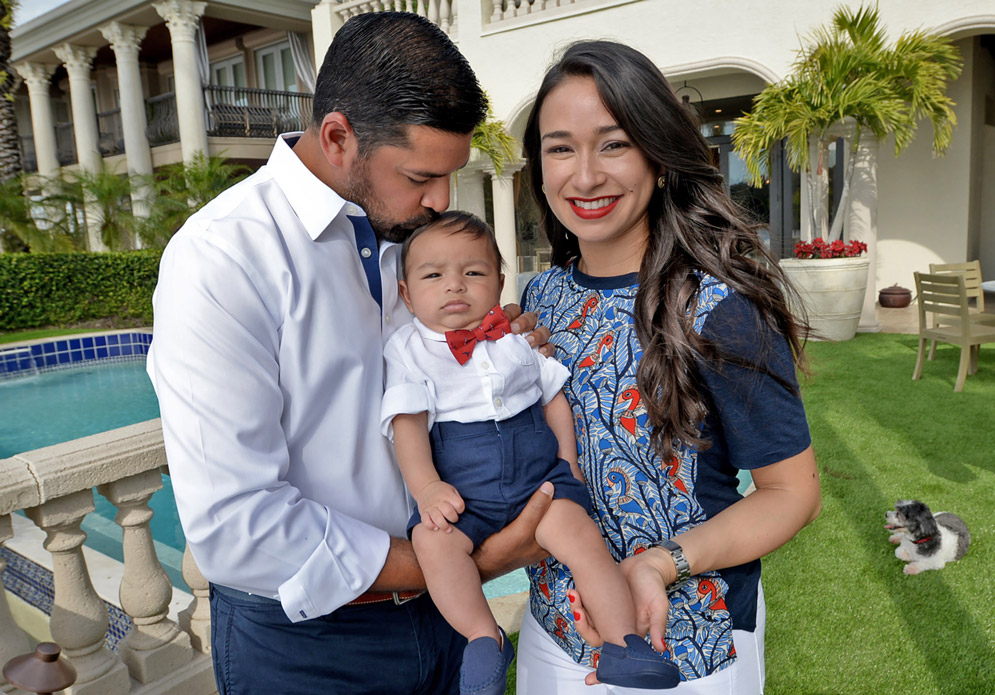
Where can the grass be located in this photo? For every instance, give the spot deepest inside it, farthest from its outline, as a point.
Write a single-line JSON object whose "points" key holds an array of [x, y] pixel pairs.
{"points": [[842, 617], [85, 327]]}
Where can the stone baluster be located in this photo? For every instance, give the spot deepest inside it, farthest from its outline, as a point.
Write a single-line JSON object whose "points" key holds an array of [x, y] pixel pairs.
{"points": [[498, 14], [195, 619], [433, 12], [445, 15], [12, 640], [79, 618], [156, 647]]}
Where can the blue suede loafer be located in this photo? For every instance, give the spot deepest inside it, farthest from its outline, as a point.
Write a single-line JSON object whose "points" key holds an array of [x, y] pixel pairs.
{"points": [[485, 666], [637, 665]]}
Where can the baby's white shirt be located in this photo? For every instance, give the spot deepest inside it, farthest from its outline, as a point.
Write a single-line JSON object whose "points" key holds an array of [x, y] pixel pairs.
{"points": [[501, 379]]}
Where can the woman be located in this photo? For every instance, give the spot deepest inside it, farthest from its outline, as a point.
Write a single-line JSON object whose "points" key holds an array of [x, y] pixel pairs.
{"points": [[672, 319]]}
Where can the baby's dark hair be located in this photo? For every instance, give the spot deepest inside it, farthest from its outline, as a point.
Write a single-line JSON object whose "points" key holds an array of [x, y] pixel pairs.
{"points": [[455, 222]]}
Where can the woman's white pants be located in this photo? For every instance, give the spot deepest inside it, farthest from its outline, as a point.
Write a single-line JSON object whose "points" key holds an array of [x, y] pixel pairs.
{"points": [[545, 669]]}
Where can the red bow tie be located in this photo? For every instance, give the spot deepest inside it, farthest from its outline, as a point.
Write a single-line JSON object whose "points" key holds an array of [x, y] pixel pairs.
{"points": [[495, 325]]}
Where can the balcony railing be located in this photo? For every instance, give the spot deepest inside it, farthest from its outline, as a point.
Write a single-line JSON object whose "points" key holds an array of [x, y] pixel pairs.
{"points": [[163, 125], [65, 143], [255, 113], [54, 488], [110, 133], [441, 12], [29, 160]]}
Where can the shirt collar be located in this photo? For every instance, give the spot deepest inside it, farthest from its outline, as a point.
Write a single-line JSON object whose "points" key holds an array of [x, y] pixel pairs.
{"points": [[427, 333], [315, 204]]}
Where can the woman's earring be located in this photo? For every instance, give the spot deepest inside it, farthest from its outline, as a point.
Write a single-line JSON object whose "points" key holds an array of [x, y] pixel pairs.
{"points": [[543, 189], [662, 181]]}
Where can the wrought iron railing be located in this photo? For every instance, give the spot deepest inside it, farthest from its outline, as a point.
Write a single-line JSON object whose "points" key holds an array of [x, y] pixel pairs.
{"points": [[65, 143], [255, 113], [110, 132], [163, 124]]}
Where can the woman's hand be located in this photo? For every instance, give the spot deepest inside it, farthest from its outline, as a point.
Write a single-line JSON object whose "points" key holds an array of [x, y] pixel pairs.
{"points": [[647, 575], [648, 581], [586, 629], [523, 323]]}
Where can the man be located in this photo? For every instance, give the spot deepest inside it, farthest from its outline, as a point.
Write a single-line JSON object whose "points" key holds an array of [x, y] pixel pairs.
{"points": [[271, 311]]}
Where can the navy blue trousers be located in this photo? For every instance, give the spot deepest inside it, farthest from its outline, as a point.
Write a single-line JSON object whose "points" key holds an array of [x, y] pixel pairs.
{"points": [[374, 649]]}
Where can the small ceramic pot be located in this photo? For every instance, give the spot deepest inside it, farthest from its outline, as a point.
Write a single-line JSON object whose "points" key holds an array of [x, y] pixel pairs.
{"points": [[895, 297]]}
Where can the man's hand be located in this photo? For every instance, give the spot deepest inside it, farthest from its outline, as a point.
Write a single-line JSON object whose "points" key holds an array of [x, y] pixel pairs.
{"points": [[523, 323], [515, 545], [440, 505]]}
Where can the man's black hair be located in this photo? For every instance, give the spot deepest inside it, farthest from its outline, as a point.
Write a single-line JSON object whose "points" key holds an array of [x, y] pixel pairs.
{"points": [[388, 70]]}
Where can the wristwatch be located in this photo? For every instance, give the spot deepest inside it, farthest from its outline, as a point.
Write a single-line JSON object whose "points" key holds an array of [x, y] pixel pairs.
{"points": [[680, 562]]}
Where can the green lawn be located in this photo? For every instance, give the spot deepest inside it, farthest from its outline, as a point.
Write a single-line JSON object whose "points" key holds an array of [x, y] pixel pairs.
{"points": [[24, 336], [842, 618]]}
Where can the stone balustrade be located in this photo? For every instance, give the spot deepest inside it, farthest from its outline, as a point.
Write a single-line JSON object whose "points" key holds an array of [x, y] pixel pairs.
{"points": [[54, 488]]}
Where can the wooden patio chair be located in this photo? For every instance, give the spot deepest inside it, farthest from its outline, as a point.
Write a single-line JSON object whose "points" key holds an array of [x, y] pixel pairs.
{"points": [[972, 284], [945, 296]]}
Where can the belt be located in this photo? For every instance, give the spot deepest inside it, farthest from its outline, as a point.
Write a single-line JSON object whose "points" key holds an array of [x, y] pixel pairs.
{"points": [[398, 597]]}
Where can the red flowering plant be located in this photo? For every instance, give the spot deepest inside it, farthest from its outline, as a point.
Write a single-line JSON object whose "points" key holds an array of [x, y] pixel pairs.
{"points": [[819, 248]]}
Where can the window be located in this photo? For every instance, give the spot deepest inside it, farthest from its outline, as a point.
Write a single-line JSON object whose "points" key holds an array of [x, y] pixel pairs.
{"points": [[229, 72], [275, 66]]}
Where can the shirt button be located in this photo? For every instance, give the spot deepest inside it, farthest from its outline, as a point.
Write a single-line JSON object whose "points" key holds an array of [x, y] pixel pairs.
{"points": [[386, 318], [485, 365], [352, 210], [498, 402], [366, 253]]}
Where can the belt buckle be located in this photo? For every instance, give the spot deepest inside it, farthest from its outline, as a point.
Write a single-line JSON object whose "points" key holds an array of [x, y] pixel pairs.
{"points": [[398, 601]]}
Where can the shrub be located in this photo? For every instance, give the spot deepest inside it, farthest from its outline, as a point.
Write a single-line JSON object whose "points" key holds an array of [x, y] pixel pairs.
{"points": [[45, 289]]}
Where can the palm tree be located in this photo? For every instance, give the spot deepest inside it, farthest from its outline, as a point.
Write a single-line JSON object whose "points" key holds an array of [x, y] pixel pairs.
{"points": [[10, 153], [493, 141], [180, 189], [848, 75]]}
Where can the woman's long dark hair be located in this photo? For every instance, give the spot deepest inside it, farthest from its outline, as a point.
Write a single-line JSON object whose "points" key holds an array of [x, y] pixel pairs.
{"points": [[694, 226]]}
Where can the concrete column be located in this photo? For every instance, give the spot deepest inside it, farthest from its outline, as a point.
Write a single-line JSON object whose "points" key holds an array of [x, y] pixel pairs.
{"points": [[78, 60], [325, 21], [470, 191], [38, 78], [181, 18], [503, 187], [125, 41], [862, 222]]}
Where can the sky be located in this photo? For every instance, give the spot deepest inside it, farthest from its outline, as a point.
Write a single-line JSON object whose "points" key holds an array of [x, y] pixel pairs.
{"points": [[29, 9]]}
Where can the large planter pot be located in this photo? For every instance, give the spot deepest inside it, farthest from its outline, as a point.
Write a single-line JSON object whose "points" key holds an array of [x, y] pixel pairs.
{"points": [[831, 291]]}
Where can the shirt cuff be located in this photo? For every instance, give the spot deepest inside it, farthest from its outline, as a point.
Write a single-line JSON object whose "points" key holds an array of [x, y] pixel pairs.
{"points": [[405, 399], [343, 566]]}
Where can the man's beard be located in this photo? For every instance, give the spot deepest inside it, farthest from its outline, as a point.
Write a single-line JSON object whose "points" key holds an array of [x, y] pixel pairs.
{"points": [[360, 191]]}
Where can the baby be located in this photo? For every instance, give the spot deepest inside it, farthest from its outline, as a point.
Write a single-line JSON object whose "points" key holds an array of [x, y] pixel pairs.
{"points": [[478, 422]]}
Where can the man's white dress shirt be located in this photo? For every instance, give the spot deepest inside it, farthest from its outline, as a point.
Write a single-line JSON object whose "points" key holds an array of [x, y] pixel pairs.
{"points": [[267, 358], [502, 378]]}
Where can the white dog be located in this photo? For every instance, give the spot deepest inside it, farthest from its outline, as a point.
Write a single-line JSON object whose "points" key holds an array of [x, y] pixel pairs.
{"points": [[926, 541]]}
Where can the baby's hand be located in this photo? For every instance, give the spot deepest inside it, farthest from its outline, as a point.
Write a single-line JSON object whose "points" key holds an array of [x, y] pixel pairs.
{"points": [[440, 504]]}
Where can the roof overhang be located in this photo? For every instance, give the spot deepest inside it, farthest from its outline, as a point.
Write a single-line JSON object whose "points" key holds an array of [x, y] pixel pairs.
{"points": [[79, 21]]}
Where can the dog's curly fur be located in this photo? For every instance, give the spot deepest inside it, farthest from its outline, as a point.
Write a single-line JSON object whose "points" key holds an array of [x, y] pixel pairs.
{"points": [[926, 541]]}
